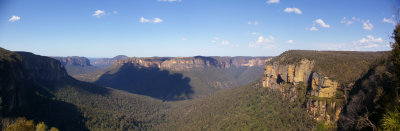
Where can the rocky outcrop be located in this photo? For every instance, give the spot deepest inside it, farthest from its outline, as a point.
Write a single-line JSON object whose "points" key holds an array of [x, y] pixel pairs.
{"points": [[73, 60], [198, 62], [77, 65], [42, 67], [299, 80], [106, 62], [20, 73]]}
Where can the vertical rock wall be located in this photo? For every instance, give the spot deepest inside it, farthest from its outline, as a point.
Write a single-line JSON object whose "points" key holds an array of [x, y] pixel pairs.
{"points": [[321, 92]]}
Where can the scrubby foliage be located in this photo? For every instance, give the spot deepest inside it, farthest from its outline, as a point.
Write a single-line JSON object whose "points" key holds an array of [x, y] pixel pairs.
{"points": [[391, 120], [22, 124], [374, 99], [344, 66]]}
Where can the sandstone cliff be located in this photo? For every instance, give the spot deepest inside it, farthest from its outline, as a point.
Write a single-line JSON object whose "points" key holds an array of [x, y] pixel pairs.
{"points": [[76, 65], [106, 62], [73, 60], [198, 62], [286, 79], [313, 76]]}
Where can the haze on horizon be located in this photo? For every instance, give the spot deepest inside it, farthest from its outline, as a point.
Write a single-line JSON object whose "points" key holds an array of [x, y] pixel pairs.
{"points": [[146, 28]]}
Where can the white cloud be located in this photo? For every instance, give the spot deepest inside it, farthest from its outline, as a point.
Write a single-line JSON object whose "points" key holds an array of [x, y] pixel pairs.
{"points": [[367, 25], [389, 20], [370, 39], [154, 20], [266, 43], [272, 1], [220, 41], [99, 13], [183, 39], [321, 23], [255, 33], [115, 12], [367, 43], [169, 0], [14, 18], [314, 28], [225, 42], [346, 21], [253, 23], [290, 41], [293, 10], [157, 20], [215, 40], [144, 20]]}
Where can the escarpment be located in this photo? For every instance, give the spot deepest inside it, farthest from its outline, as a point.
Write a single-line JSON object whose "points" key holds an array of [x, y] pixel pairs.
{"points": [[321, 79], [197, 62], [76, 65], [106, 62], [73, 60], [182, 77]]}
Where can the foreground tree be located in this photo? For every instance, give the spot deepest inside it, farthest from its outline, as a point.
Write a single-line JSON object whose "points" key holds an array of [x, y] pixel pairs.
{"points": [[396, 47]]}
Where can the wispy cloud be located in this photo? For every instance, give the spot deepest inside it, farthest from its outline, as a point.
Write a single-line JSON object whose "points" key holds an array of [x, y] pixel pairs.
{"points": [[183, 38], [253, 23], [103, 13], [367, 43], [389, 20], [290, 41], [366, 24], [154, 20], [225, 42], [293, 10], [266, 43], [313, 28], [220, 41], [99, 13], [272, 1], [169, 0], [14, 18], [347, 21]]}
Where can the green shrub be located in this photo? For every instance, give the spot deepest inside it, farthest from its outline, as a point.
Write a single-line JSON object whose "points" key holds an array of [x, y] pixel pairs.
{"points": [[391, 120]]}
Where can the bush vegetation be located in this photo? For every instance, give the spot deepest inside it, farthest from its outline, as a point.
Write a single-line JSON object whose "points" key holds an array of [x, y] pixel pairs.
{"points": [[248, 107], [344, 66], [22, 124]]}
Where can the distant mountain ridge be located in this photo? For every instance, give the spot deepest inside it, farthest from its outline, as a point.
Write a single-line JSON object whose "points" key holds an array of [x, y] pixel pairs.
{"points": [[106, 62], [187, 63], [73, 60], [177, 78], [76, 65]]}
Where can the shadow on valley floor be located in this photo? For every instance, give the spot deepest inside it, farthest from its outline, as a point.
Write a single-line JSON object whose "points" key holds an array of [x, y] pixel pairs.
{"points": [[153, 82], [34, 101]]}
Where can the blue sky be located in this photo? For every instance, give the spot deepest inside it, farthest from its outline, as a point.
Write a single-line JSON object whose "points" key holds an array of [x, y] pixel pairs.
{"points": [[193, 27]]}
